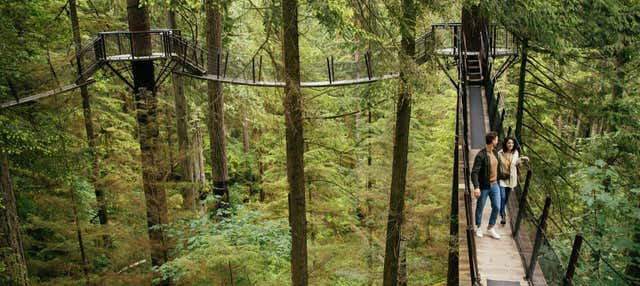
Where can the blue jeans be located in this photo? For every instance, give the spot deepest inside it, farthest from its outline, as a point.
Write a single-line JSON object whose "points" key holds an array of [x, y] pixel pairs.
{"points": [[494, 194], [504, 195]]}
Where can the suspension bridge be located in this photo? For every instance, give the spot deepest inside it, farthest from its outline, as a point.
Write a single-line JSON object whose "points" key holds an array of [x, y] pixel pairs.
{"points": [[512, 260]]}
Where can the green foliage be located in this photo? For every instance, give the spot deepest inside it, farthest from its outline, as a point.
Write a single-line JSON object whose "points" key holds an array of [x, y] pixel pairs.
{"points": [[347, 199], [582, 132], [244, 246]]}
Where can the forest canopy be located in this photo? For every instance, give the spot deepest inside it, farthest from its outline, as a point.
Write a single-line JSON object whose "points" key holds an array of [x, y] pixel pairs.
{"points": [[260, 142]]}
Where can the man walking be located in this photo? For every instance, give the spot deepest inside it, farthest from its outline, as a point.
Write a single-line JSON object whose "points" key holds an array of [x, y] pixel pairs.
{"points": [[485, 182]]}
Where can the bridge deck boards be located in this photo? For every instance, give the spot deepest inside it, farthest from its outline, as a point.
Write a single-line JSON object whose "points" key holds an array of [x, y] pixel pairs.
{"points": [[497, 259]]}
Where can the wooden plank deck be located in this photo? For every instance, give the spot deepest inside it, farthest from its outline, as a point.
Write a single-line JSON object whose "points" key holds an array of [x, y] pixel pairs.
{"points": [[497, 259]]}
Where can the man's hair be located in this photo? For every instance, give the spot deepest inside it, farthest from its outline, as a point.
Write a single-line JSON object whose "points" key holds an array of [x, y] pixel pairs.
{"points": [[490, 136]]}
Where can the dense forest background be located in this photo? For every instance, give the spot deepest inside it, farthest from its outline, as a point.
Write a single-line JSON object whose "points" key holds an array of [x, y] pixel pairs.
{"points": [[581, 130]]}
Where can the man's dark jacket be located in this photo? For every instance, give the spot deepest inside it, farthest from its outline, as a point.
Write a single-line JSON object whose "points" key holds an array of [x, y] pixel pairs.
{"points": [[481, 165]]}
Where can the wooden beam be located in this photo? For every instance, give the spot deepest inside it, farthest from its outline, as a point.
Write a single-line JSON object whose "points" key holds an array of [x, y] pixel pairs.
{"points": [[52, 92]]}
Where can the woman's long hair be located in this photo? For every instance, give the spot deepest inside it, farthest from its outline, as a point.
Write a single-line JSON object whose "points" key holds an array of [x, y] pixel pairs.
{"points": [[516, 146]]}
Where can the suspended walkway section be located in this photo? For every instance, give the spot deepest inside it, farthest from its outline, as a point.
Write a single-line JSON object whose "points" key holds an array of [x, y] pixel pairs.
{"points": [[479, 261], [115, 51]]}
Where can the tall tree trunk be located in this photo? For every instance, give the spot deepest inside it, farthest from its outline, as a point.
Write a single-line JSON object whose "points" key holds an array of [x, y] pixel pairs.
{"points": [[401, 144], [245, 128], [576, 133], [216, 105], [146, 115], [88, 126], [295, 144], [185, 153], [521, 85], [621, 59], [12, 254], [473, 24], [198, 162], [260, 175], [249, 177]]}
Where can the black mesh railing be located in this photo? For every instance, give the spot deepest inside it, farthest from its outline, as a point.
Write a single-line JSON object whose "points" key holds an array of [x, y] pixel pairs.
{"points": [[469, 233], [553, 252], [501, 42], [169, 44]]}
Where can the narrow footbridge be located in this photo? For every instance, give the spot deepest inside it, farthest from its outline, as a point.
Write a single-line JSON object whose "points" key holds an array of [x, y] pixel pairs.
{"points": [[478, 61], [523, 255], [474, 260], [171, 52], [116, 51]]}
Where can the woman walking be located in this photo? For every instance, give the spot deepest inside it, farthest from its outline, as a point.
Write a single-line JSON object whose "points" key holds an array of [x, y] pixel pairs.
{"points": [[510, 156]]}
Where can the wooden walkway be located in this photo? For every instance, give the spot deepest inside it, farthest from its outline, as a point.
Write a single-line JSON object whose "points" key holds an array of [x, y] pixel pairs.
{"points": [[497, 259], [52, 92]]}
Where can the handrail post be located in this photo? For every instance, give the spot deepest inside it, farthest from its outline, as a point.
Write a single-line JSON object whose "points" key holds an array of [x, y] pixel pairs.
{"points": [[260, 69], [366, 62], [253, 68], [573, 261], [538, 240], [163, 39], [455, 39], [329, 69], [523, 202], [131, 45], [370, 64], [333, 70], [226, 60]]}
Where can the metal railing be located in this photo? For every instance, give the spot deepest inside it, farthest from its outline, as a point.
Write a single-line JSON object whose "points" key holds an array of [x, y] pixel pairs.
{"points": [[469, 232], [544, 251], [443, 39]]}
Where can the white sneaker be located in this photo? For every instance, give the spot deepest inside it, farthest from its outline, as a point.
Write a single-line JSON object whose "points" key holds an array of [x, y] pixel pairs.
{"points": [[493, 233], [479, 232]]}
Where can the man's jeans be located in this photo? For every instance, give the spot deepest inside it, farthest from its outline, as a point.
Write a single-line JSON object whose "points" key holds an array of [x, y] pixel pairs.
{"points": [[494, 194]]}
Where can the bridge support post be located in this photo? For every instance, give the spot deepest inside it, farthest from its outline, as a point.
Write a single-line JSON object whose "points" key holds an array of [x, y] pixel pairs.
{"points": [[542, 223], [523, 202], [573, 261]]}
